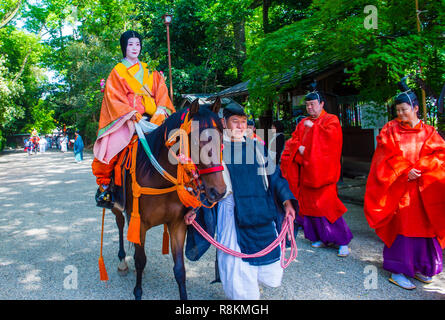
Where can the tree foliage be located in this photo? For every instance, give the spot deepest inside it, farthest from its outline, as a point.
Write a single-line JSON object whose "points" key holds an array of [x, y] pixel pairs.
{"points": [[20, 78], [376, 58], [54, 53]]}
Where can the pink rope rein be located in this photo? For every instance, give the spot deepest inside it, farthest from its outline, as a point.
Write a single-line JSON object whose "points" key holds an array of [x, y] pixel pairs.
{"points": [[286, 230]]}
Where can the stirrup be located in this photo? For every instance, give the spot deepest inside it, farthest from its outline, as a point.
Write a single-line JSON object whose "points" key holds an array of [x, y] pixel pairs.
{"points": [[104, 198]]}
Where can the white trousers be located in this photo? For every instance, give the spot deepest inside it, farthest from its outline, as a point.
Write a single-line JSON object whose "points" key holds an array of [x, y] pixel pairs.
{"points": [[240, 280]]}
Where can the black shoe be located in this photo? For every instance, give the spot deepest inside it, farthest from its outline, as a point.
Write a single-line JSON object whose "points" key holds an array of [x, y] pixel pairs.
{"points": [[104, 199]]}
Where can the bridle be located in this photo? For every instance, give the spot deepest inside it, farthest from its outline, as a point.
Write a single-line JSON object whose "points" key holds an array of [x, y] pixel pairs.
{"points": [[188, 182]]}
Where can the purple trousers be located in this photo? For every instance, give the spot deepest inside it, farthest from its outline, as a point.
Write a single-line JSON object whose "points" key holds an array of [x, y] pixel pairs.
{"points": [[320, 229], [409, 255]]}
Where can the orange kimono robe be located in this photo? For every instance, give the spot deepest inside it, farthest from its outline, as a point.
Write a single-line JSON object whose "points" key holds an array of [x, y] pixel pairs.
{"points": [[129, 90], [313, 176], [395, 206]]}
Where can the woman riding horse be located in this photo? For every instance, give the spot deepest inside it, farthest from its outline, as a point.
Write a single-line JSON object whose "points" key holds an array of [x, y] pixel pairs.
{"points": [[131, 91]]}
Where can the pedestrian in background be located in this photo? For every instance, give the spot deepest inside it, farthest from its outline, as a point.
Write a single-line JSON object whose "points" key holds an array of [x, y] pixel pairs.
{"points": [[64, 143], [42, 145], [78, 147]]}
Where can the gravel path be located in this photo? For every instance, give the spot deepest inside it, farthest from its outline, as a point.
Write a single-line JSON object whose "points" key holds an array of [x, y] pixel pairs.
{"points": [[50, 240]]}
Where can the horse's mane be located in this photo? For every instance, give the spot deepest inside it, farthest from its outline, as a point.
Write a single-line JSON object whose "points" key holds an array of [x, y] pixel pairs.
{"points": [[157, 138]]}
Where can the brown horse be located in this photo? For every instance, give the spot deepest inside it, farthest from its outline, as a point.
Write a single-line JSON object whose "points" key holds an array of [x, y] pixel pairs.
{"points": [[167, 208]]}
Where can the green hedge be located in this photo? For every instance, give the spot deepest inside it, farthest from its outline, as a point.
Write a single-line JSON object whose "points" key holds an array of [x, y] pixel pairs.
{"points": [[2, 141]]}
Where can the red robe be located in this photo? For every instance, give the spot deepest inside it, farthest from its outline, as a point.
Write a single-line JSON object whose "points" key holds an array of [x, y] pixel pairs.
{"points": [[395, 206], [313, 176]]}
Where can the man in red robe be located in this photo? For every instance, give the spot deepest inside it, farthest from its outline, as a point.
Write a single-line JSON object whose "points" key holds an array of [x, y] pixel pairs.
{"points": [[404, 199], [311, 164]]}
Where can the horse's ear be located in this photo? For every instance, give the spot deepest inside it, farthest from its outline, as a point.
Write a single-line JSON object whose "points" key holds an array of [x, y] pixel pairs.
{"points": [[216, 105], [194, 108]]}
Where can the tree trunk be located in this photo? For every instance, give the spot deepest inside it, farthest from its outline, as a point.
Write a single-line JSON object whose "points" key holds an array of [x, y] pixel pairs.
{"points": [[25, 61], [441, 124], [266, 5], [11, 14]]}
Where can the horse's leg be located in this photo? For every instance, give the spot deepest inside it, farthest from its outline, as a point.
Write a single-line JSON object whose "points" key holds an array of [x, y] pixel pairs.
{"points": [[177, 232], [140, 260], [122, 268]]}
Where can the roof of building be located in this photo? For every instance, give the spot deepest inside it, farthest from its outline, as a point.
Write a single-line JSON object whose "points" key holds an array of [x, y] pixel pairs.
{"points": [[308, 68], [205, 99]]}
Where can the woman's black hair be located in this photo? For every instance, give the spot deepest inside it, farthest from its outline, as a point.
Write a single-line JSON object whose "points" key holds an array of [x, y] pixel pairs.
{"points": [[127, 35]]}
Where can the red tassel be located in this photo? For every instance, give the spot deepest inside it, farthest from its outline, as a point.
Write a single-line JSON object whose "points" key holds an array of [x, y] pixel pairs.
{"points": [[102, 270], [165, 239], [134, 228]]}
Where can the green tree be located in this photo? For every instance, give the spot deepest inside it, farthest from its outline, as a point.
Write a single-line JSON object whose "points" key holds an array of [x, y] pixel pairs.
{"points": [[42, 117], [21, 78], [207, 41], [376, 58]]}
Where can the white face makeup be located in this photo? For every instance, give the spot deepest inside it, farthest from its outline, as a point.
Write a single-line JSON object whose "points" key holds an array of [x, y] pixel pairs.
{"points": [[133, 49]]}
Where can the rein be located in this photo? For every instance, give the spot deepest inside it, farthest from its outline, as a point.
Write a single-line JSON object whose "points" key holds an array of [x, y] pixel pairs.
{"points": [[286, 230]]}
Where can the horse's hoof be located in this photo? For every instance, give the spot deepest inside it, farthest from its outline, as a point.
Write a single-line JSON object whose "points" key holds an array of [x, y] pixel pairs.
{"points": [[123, 272], [122, 268], [137, 293]]}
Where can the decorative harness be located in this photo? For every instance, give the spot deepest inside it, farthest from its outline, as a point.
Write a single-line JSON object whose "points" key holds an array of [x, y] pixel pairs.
{"points": [[187, 184]]}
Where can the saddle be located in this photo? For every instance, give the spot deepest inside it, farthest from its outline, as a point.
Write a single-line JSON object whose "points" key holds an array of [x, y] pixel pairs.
{"points": [[118, 183], [123, 165]]}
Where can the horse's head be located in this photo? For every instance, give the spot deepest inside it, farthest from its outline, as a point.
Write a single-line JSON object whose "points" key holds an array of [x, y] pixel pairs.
{"points": [[206, 148]]}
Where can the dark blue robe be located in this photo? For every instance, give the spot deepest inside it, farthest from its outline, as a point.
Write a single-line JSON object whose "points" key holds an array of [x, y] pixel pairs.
{"points": [[258, 209]]}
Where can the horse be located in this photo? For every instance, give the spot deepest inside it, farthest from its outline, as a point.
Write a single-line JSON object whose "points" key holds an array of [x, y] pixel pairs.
{"points": [[167, 208]]}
